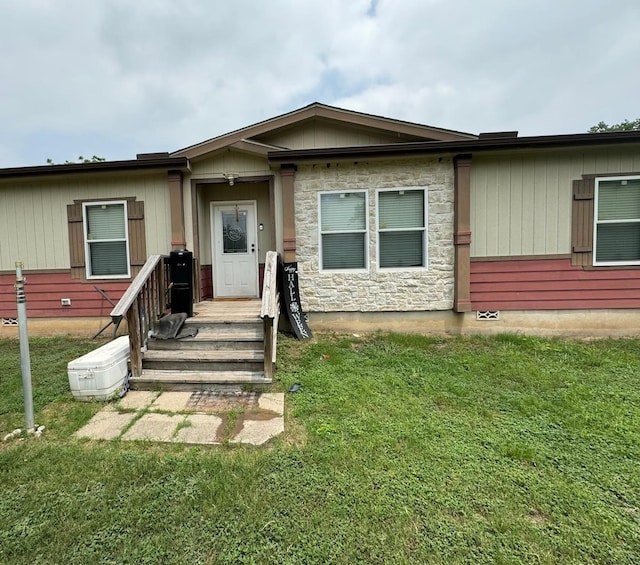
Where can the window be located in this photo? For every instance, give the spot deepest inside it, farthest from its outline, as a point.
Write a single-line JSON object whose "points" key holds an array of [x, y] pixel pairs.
{"points": [[106, 239], [617, 221], [135, 236], [402, 228], [343, 230]]}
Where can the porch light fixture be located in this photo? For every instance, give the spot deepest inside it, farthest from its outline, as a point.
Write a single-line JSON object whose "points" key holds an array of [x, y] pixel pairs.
{"points": [[231, 177]]}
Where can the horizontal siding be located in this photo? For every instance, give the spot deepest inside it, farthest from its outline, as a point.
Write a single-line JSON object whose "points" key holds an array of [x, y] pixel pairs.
{"points": [[521, 203], [551, 284], [43, 292]]}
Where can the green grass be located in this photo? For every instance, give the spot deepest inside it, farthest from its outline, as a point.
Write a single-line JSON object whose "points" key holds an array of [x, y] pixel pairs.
{"points": [[398, 449]]}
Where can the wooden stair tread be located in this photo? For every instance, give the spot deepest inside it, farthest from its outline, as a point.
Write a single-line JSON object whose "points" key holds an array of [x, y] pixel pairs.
{"points": [[201, 377], [226, 316], [212, 336], [203, 355], [240, 335]]}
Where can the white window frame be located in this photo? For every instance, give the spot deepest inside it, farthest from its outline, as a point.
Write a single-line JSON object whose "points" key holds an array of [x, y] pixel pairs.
{"points": [[87, 241], [365, 231], [597, 222], [424, 229]]}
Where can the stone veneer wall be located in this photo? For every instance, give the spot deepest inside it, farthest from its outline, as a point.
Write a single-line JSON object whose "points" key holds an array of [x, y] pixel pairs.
{"points": [[430, 288]]}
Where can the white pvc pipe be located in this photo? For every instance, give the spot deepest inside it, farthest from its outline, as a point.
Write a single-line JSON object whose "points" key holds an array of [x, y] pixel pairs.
{"points": [[25, 359]]}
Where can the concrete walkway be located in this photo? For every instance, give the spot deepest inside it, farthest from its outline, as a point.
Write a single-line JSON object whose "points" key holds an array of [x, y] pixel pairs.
{"points": [[193, 418]]}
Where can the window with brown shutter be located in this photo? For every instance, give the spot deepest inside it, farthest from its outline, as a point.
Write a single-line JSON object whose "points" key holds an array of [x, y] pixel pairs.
{"points": [[618, 222], [76, 218], [582, 225]]}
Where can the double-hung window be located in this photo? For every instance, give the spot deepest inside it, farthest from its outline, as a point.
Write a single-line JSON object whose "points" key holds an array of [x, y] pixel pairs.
{"points": [[343, 230], [106, 239], [617, 221], [402, 228]]}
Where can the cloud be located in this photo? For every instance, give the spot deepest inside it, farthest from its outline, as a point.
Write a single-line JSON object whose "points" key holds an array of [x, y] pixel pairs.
{"points": [[117, 77]]}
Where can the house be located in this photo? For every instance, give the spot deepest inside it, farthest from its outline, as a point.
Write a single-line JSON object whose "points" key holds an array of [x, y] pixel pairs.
{"points": [[393, 225]]}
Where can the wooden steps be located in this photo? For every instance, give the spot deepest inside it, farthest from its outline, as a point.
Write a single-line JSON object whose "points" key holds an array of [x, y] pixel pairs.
{"points": [[198, 380], [227, 352]]}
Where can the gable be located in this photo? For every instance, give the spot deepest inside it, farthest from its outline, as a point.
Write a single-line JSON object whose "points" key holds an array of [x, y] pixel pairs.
{"points": [[316, 133], [317, 125]]}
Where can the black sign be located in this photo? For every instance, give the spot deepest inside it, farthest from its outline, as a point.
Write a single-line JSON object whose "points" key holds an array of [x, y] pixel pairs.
{"points": [[291, 292]]}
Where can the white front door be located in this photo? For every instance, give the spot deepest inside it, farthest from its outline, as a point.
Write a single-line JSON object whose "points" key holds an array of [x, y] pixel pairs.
{"points": [[234, 243]]}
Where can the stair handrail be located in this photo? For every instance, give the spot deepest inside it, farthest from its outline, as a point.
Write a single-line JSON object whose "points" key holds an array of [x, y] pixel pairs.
{"points": [[141, 305], [270, 311]]}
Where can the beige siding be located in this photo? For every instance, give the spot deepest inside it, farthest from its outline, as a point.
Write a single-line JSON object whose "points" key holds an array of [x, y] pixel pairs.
{"points": [[315, 134], [230, 161], [33, 216], [521, 203]]}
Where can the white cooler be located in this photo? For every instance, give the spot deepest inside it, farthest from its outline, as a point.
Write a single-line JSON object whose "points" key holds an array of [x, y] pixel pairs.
{"points": [[99, 374]]}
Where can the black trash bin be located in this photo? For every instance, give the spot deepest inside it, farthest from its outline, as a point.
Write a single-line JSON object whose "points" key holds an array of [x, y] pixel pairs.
{"points": [[181, 269]]}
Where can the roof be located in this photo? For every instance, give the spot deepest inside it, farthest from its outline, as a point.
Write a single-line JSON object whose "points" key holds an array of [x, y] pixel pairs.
{"points": [[142, 164], [318, 110], [492, 143]]}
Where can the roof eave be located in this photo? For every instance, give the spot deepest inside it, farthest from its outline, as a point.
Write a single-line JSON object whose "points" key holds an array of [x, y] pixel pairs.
{"points": [[439, 147], [166, 163]]}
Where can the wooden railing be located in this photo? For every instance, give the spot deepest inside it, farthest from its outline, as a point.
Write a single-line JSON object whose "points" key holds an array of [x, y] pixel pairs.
{"points": [[141, 305], [270, 311]]}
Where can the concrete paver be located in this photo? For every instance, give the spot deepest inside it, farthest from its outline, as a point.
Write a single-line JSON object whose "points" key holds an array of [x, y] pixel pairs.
{"points": [[273, 401], [106, 424], [172, 402], [203, 429], [257, 432], [137, 399], [154, 427]]}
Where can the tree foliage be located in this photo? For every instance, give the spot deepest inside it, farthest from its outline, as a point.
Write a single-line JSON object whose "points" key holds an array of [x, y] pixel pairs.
{"points": [[81, 159], [626, 125]]}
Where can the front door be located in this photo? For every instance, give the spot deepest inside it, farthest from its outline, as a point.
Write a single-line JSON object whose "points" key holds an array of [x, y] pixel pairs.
{"points": [[234, 243]]}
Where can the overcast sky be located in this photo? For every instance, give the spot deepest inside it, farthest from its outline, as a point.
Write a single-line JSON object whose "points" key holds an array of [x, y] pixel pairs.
{"points": [[118, 77]]}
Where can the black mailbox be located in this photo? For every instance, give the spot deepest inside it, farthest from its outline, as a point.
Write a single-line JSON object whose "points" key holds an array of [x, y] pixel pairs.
{"points": [[181, 270]]}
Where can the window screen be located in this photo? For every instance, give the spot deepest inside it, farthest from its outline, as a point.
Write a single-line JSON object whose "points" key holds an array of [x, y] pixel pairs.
{"points": [[617, 224], [343, 227], [106, 240], [401, 228]]}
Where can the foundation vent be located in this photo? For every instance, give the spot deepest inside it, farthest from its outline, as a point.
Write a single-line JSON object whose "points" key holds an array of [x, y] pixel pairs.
{"points": [[6, 322], [487, 315]]}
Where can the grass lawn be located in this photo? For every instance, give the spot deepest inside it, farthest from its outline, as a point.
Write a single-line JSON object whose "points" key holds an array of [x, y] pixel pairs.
{"points": [[398, 449]]}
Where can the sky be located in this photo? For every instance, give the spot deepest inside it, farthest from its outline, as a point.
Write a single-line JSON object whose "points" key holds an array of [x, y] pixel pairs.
{"points": [[114, 78]]}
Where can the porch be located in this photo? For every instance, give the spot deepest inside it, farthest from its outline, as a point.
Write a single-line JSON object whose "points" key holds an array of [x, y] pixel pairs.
{"points": [[225, 345]]}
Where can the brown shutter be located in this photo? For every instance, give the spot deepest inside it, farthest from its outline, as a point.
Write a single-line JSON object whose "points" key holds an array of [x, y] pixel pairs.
{"points": [[137, 237], [76, 240], [582, 222]]}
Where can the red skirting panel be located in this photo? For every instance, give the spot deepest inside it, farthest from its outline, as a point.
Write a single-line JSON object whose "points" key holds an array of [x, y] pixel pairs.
{"points": [[44, 292], [206, 283], [551, 284]]}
